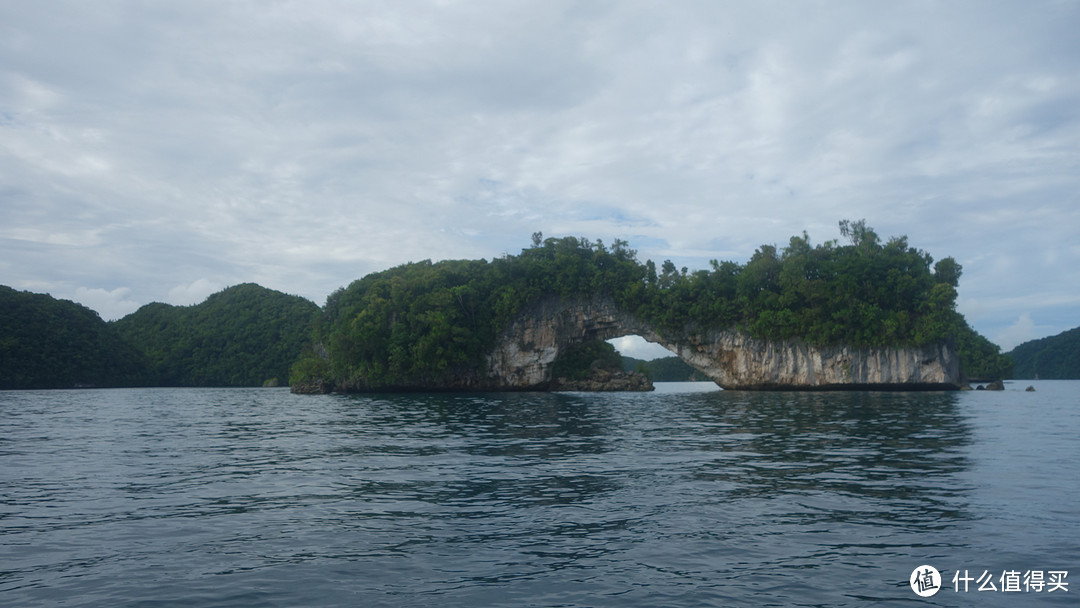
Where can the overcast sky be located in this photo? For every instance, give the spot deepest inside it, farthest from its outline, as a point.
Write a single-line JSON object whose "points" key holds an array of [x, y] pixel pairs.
{"points": [[162, 151]]}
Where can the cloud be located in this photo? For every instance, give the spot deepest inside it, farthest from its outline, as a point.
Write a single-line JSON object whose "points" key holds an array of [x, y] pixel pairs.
{"points": [[1023, 330], [110, 304], [192, 293], [638, 348], [303, 146], [1020, 331]]}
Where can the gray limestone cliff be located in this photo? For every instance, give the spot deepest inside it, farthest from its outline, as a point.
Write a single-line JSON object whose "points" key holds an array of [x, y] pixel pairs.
{"points": [[735, 360], [526, 349]]}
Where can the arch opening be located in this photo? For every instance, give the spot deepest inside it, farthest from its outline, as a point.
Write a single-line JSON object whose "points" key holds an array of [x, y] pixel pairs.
{"points": [[659, 363], [636, 347]]}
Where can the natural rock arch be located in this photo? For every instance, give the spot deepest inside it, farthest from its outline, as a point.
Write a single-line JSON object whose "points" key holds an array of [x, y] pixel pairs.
{"points": [[526, 349]]}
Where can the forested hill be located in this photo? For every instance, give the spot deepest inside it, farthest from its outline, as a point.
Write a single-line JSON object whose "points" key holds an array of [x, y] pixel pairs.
{"points": [[1055, 357], [245, 335], [664, 369], [51, 343], [421, 324]]}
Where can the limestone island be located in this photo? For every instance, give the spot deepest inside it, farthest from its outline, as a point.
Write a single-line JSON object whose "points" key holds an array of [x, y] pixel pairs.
{"points": [[866, 315]]}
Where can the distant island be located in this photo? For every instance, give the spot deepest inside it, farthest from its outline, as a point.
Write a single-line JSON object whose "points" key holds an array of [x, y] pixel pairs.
{"points": [[1051, 358], [664, 369], [448, 325], [246, 335]]}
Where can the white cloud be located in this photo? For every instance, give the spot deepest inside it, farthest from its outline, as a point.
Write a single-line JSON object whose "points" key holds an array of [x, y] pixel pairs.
{"points": [[192, 293], [638, 348], [110, 304], [1023, 330]]}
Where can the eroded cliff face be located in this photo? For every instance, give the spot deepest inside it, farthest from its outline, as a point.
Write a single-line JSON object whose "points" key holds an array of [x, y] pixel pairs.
{"points": [[525, 351], [735, 360]]}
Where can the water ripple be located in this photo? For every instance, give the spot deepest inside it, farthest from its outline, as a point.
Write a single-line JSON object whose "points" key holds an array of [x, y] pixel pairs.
{"points": [[201, 497]]}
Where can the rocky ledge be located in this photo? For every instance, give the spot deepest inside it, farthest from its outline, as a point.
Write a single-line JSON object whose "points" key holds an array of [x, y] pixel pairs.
{"points": [[316, 386], [604, 380]]}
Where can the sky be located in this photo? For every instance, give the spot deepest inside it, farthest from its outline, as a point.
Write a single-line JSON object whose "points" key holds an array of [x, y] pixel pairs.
{"points": [[162, 151]]}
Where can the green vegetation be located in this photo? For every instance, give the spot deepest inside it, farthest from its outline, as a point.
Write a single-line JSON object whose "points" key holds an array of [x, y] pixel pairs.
{"points": [[246, 335], [980, 358], [50, 343], [419, 324], [242, 336], [863, 294], [575, 363], [423, 324], [1055, 357], [664, 369]]}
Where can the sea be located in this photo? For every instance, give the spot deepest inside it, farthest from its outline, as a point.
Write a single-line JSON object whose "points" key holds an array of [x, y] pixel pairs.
{"points": [[686, 496]]}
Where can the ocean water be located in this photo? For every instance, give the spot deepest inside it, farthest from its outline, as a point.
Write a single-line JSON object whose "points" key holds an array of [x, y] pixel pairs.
{"points": [[681, 497]]}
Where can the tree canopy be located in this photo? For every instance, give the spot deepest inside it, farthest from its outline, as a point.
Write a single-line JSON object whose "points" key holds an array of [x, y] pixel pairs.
{"points": [[575, 362], [51, 343], [664, 369], [245, 335], [1055, 357]]}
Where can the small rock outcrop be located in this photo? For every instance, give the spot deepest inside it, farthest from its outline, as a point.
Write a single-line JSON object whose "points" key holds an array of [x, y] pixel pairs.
{"points": [[604, 380], [317, 386]]}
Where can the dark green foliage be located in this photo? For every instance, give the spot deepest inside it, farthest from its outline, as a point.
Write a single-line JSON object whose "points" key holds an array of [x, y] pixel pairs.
{"points": [[50, 343], [664, 369], [864, 294], [410, 324], [1056, 357], [242, 336], [575, 362], [980, 359]]}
